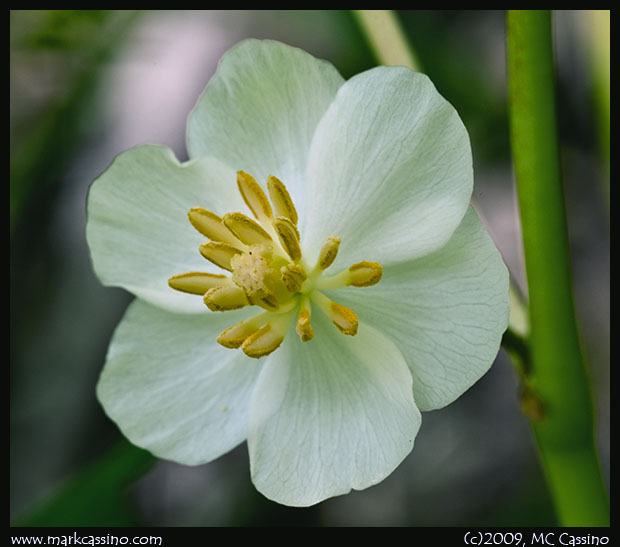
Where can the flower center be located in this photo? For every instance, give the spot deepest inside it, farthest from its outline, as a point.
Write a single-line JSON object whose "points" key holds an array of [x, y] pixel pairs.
{"points": [[268, 270]]}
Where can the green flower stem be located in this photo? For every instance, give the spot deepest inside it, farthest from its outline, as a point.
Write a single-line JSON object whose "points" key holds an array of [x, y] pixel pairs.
{"points": [[598, 34], [558, 377], [386, 38]]}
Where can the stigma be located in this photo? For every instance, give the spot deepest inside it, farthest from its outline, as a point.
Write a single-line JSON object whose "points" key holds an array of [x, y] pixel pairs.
{"points": [[265, 267]]}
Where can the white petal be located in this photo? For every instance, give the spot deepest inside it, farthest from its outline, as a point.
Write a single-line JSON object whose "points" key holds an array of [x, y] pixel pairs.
{"points": [[390, 169], [138, 231], [329, 415], [260, 110], [172, 389], [446, 312]]}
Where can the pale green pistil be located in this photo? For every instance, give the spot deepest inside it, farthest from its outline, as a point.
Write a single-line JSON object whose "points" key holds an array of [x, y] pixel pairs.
{"points": [[268, 270]]}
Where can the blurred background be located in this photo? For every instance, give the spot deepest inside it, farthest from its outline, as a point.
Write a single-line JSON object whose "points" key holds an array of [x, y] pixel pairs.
{"points": [[86, 85]]}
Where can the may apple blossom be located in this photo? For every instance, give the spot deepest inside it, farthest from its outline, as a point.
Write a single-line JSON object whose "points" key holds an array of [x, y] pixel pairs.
{"points": [[348, 283]]}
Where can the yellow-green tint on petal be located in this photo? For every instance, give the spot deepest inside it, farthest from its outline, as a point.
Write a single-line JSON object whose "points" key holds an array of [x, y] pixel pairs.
{"points": [[197, 282]]}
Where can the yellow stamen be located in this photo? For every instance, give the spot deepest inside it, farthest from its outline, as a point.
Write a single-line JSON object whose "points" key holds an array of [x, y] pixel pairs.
{"points": [[254, 197], [342, 317], [219, 253], [197, 282], [293, 276], [289, 237], [281, 199], [365, 274], [304, 328], [245, 229], [234, 336], [268, 338], [268, 270], [210, 226], [225, 298], [328, 252]]}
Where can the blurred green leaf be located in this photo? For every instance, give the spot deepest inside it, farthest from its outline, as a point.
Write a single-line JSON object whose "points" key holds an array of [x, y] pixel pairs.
{"points": [[97, 496]]}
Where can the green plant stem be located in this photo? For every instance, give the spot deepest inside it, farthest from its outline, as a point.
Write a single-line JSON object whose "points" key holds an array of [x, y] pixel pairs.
{"points": [[386, 38], [558, 376], [598, 34]]}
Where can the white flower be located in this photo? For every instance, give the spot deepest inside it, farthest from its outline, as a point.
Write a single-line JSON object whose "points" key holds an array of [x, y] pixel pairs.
{"points": [[381, 161]]}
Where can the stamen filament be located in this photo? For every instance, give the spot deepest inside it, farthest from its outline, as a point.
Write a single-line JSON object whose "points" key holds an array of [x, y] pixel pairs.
{"points": [[362, 274], [342, 317]]}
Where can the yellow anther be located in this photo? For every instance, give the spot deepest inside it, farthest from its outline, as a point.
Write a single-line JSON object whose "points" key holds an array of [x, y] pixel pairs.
{"points": [[304, 328], [328, 252], [268, 338], [210, 225], [245, 229], [281, 199], [234, 336], [344, 318], [365, 274], [254, 197], [225, 298], [289, 237], [219, 253], [197, 282], [293, 276]]}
